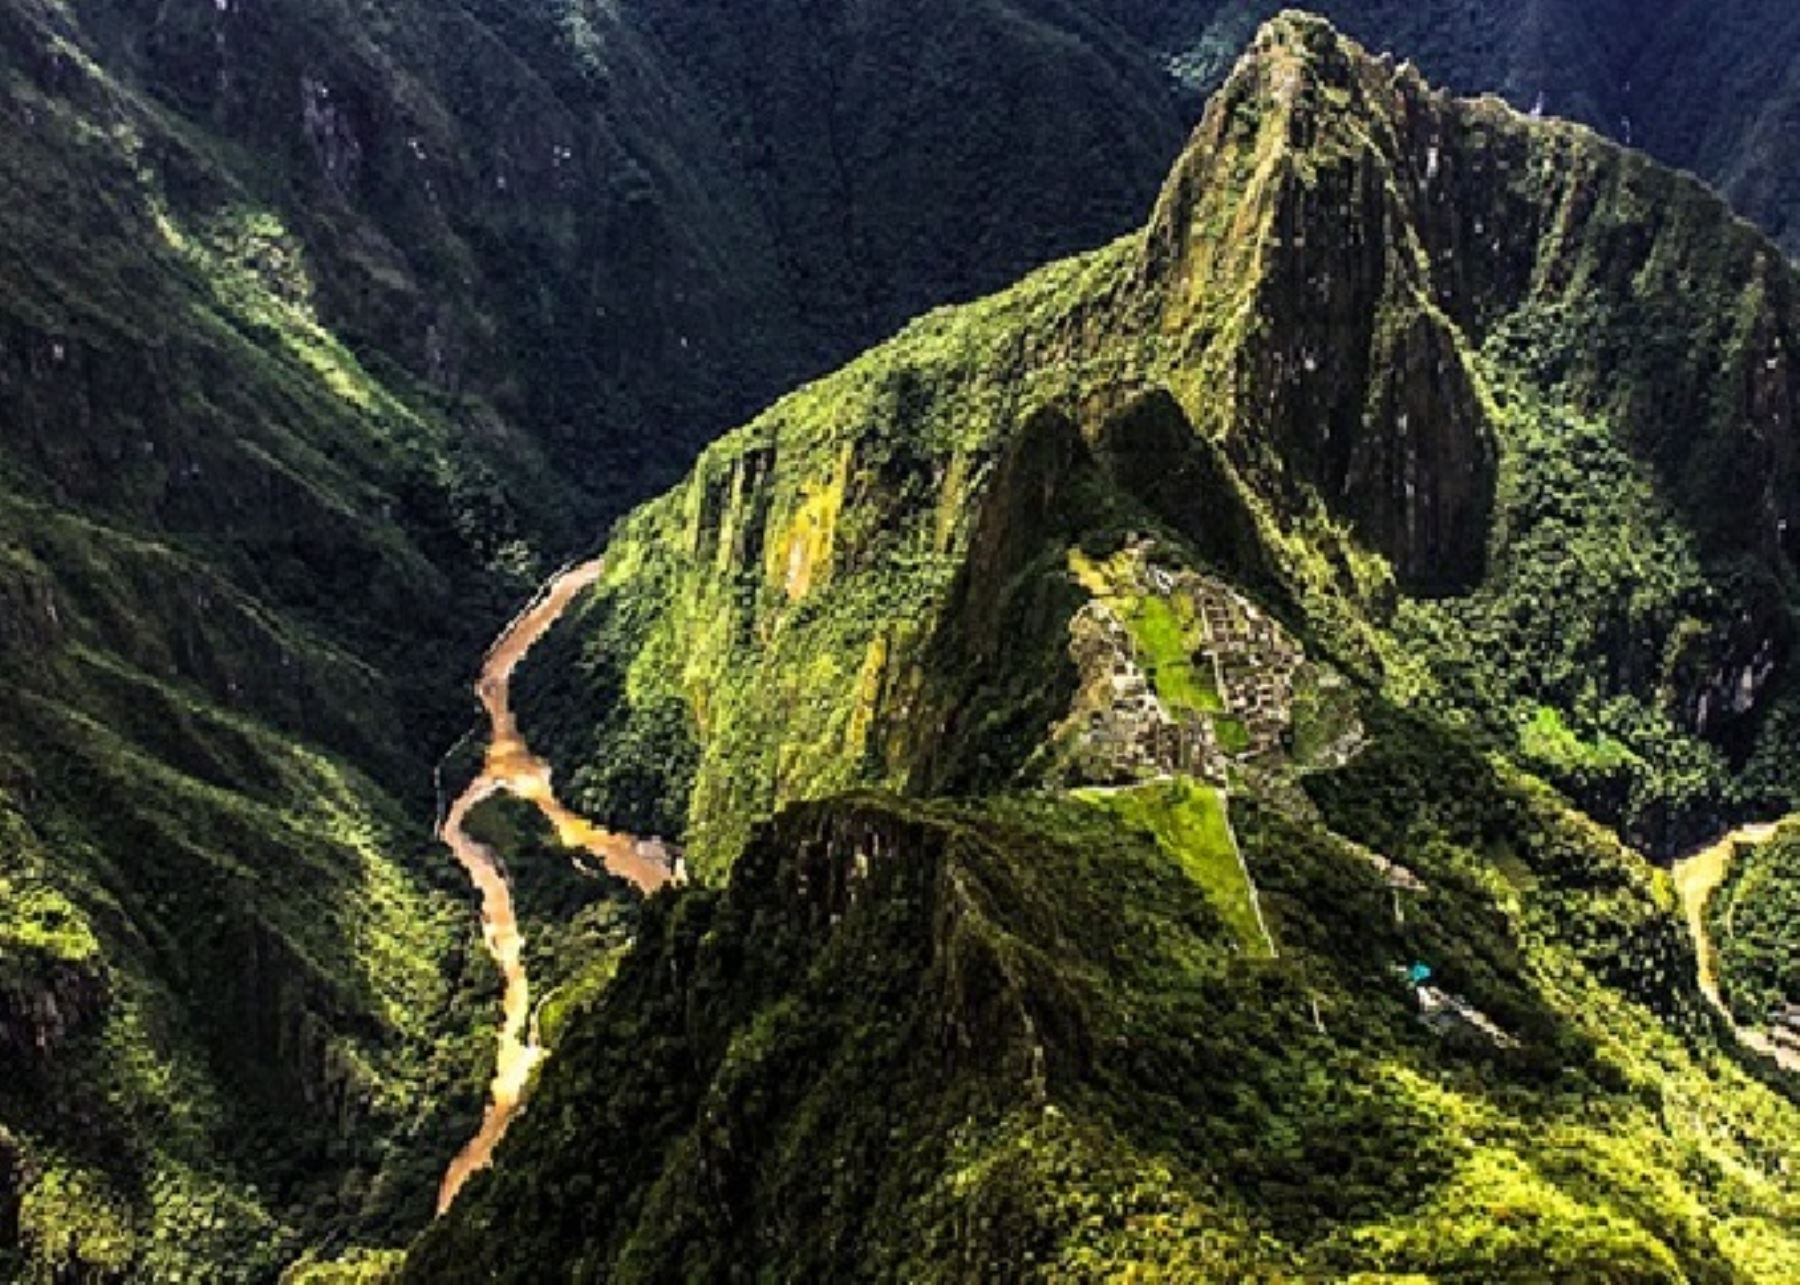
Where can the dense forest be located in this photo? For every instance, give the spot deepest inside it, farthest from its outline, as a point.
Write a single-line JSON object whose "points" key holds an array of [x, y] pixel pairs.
{"points": [[1173, 753], [1110, 620]]}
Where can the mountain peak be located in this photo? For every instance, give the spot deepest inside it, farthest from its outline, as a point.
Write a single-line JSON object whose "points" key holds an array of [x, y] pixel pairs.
{"points": [[1301, 94], [1338, 243], [1289, 246]]}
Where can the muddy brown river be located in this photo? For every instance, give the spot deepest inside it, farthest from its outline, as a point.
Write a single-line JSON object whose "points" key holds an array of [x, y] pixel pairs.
{"points": [[509, 767]]}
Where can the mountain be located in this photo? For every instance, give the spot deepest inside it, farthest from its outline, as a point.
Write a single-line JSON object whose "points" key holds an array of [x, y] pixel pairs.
{"points": [[626, 227], [243, 570], [1703, 86], [1503, 409], [325, 329], [1154, 746]]}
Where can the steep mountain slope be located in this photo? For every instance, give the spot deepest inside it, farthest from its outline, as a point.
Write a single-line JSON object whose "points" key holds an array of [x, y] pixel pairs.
{"points": [[1237, 577], [628, 226], [913, 153], [227, 985], [321, 324], [1413, 364], [325, 325], [1018, 1041], [1570, 58]]}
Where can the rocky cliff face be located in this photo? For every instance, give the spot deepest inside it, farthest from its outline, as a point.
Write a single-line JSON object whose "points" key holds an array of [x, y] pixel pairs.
{"points": [[1370, 236], [1293, 252], [627, 227]]}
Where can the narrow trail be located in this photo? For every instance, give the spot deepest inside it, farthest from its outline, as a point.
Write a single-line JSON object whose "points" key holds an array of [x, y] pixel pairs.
{"points": [[1697, 878], [511, 768]]}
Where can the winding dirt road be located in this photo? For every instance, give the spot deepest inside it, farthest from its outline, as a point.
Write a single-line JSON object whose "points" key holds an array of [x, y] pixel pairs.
{"points": [[511, 768], [1696, 879]]}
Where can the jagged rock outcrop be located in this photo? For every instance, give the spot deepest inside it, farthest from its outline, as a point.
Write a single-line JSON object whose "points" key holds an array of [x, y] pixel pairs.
{"points": [[1341, 239], [1287, 246]]}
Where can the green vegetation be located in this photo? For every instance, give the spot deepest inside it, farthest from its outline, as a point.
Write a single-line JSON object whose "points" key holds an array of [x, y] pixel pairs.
{"points": [[1234, 737], [1563, 575], [1699, 87], [1549, 742], [1599, 609], [359, 1267], [1169, 651], [244, 562], [1189, 823], [325, 328], [322, 331], [1754, 921], [769, 656], [1498, 486], [1029, 1042], [41, 922]]}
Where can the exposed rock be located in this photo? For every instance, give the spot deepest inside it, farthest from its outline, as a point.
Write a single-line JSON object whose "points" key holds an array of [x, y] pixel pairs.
{"points": [[30, 623], [290, 1032], [331, 130], [1453, 1015], [1346, 379], [43, 1007]]}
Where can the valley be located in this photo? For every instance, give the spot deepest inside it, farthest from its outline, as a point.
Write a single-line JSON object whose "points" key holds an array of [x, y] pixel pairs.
{"points": [[1114, 533], [509, 767]]}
